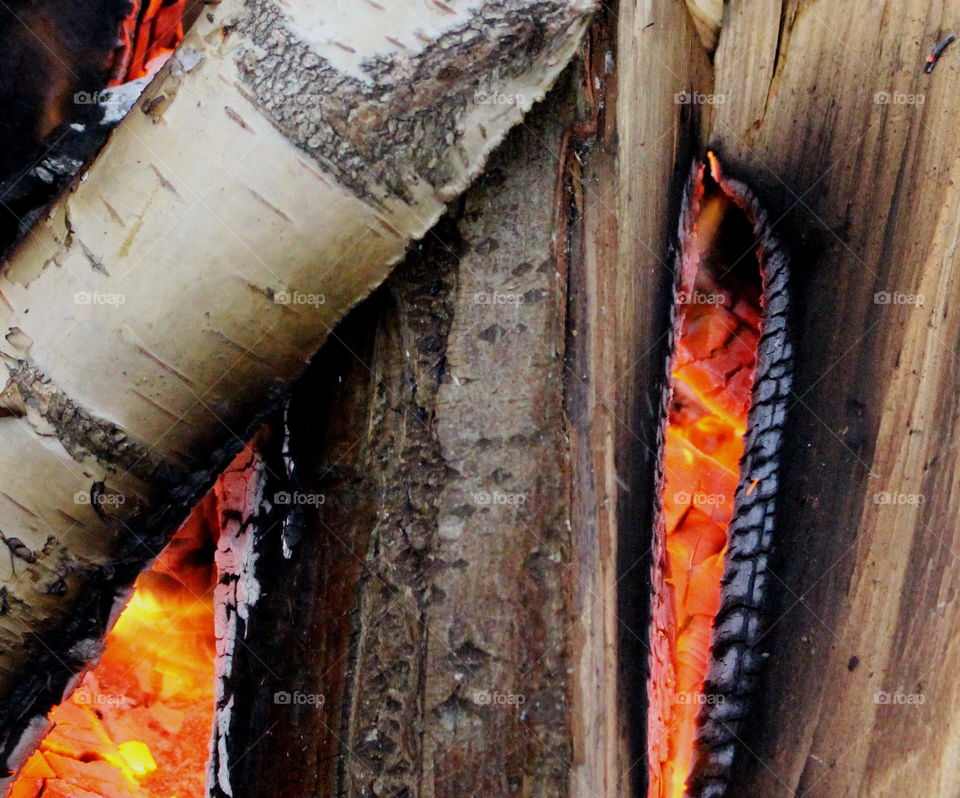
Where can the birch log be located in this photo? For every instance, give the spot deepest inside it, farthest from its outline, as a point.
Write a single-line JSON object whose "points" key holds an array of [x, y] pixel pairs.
{"points": [[268, 179]]}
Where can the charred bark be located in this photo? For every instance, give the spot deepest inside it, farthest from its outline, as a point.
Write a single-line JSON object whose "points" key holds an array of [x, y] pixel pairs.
{"points": [[733, 680]]}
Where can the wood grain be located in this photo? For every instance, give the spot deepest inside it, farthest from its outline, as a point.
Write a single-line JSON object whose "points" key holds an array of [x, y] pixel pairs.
{"points": [[429, 599], [660, 58], [828, 114]]}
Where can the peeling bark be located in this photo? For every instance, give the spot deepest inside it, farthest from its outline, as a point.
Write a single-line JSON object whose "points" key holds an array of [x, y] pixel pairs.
{"points": [[708, 17]]}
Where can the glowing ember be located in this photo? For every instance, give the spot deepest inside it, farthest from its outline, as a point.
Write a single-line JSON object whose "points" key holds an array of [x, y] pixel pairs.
{"points": [[138, 726], [710, 391], [148, 37]]}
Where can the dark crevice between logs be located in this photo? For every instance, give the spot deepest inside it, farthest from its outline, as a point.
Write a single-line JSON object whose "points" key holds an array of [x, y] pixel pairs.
{"points": [[739, 626]]}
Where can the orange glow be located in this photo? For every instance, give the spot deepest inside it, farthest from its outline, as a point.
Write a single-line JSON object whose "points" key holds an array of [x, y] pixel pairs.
{"points": [[711, 384], [148, 37], [139, 724]]}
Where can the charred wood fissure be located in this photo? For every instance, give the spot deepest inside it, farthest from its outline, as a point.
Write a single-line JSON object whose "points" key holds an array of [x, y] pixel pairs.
{"points": [[420, 621], [248, 545], [732, 678], [744, 598]]}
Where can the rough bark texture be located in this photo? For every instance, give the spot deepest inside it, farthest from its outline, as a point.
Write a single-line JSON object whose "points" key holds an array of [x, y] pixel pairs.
{"points": [[411, 598], [427, 606], [144, 339]]}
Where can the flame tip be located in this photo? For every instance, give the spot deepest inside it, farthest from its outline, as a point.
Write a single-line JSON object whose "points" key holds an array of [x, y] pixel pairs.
{"points": [[716, 171]]}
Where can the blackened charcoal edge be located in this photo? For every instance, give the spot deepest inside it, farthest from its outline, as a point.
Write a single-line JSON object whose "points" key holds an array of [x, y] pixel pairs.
{"points": [[733, 677]]}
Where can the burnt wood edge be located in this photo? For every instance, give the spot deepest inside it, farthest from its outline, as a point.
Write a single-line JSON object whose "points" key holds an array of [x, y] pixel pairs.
{"points": [[636, 611], [733, 678], [244, 683]]}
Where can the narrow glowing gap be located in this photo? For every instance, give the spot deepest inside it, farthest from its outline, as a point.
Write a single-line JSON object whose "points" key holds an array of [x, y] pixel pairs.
{"points": [[716, 337]]}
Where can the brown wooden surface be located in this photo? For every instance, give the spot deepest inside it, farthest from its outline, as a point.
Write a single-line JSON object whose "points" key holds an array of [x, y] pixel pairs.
{"points": [[410, 445], [434, 582], [407, 597], [870, 200], [660, 56], [417, 585]]}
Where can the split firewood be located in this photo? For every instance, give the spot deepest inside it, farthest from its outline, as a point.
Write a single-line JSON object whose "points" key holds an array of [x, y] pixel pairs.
{"points": [[384, 610], [278, 167]]}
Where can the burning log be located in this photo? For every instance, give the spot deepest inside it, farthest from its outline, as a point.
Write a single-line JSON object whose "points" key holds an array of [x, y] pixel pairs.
{"points": [[204, 316], [138, 725], [859, 617], [859, 607], [80, 58]]}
